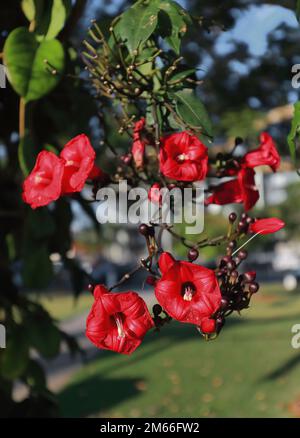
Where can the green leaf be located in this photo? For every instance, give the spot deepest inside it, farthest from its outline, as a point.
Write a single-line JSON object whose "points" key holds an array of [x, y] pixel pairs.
{"points": [[53, 18], [49, 17], [25, 61], [295, 131], [173, 23], [138, 23], [192, 111], [182, 75], [15, 357], [32, 8]]}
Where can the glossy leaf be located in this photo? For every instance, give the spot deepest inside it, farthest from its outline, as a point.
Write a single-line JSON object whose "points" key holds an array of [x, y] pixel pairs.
{"points": [[138, 23], [173, 26], [192, 111], [25, 61]]}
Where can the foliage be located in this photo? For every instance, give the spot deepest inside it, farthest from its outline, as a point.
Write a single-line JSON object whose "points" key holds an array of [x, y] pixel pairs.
{"points": [[36, 61], [42, 66]]}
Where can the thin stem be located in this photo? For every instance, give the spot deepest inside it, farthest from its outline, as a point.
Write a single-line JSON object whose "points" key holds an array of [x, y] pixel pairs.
{"points": [[22, 118]]}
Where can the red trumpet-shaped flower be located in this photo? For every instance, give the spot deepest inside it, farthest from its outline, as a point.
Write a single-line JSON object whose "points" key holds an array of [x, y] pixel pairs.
{"points": [[189, 293], [79, 159], [139, 144], [43, 185], [183, 157], [239, 190], [266, 226], [117, 321], [266, 154]]}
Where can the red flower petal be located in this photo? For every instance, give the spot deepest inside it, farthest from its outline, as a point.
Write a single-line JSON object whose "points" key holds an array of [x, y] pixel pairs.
{"points": [[79, 159], [118, 321], [44, 183], [239, 190], [165, 262], [183, 157], [188, 292], [265, 154], [266, 226]]}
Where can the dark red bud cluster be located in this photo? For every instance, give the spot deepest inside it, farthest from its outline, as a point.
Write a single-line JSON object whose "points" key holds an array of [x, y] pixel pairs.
{"points": [[236, 289]]}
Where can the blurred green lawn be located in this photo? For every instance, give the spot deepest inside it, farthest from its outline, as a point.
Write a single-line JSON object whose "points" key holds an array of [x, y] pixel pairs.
{"points": [[251, 370]]}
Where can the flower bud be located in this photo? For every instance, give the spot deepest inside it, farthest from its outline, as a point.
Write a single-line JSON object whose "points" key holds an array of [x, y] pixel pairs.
{"points": [[193, 254]]}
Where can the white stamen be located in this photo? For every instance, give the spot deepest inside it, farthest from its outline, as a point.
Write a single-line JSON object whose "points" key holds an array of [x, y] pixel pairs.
{"points": [[188, 294], [247, 241], [121, 333], [181, 157]]}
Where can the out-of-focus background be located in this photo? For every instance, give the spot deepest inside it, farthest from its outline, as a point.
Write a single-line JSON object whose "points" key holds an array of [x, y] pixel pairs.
{"points": [[251, 370]]}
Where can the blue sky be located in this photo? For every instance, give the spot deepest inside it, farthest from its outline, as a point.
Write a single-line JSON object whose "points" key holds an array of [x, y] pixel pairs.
{"points": [[253, 26]]}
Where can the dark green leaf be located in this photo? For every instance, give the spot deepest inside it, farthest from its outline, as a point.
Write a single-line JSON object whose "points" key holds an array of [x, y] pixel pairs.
{"points": [[173, 26], [25, 61], [192, 111], [15, 357], [137, 24]]}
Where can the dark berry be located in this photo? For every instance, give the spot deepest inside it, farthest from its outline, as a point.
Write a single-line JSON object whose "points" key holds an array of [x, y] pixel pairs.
{"points": [[144, 229], [231, 265], [243, 254], [157, 309], [224, 303], [238, 141], [232, 244], [193, 254], [91, 288], [253, 287], [232, 217]]}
